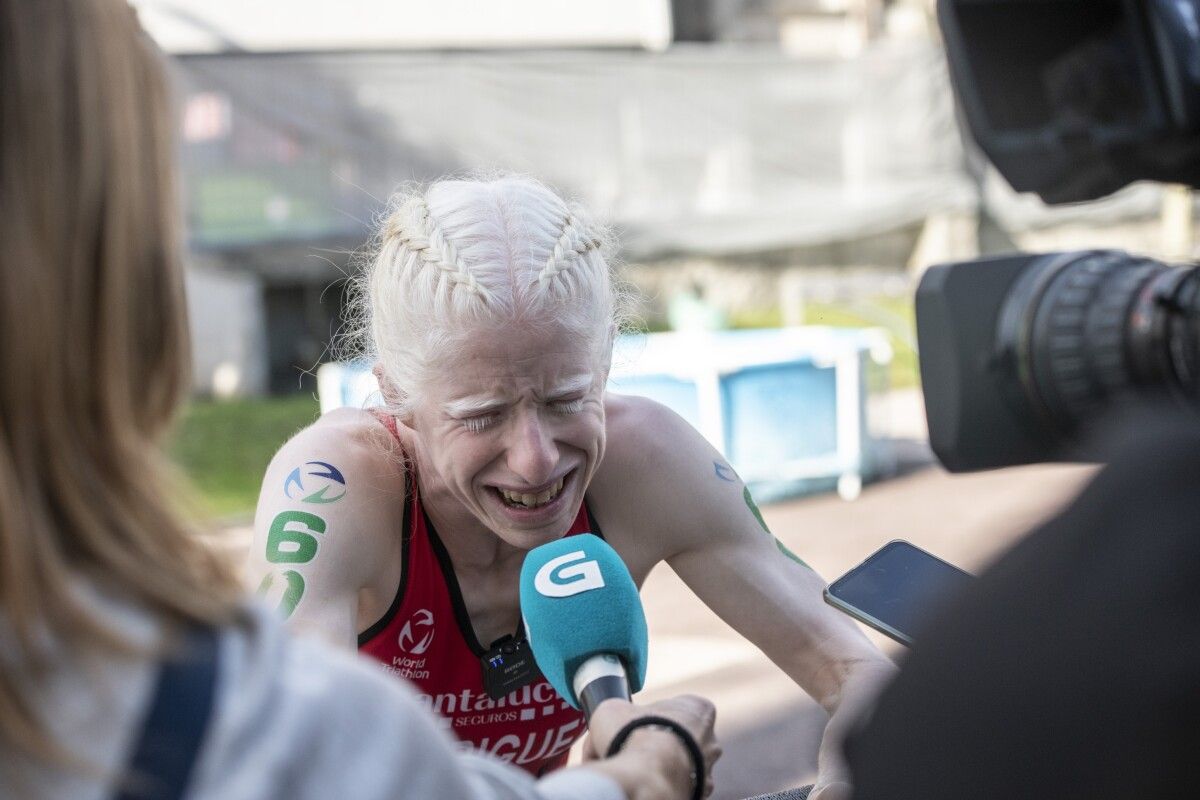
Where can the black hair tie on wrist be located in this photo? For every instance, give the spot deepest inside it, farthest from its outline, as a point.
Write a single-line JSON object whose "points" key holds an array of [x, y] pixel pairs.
{"points": [[689, 743]]}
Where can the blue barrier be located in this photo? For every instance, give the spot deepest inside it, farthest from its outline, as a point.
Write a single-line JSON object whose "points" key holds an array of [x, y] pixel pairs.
{"points": [[785, 406]]}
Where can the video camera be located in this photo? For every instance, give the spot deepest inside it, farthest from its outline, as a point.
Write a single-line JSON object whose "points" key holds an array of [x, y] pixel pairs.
{"points": [[1071, 99]]}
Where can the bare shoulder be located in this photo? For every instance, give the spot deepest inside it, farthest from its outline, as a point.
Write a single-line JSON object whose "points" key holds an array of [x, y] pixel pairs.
{"points": [[641, 431], [343, 476], [352, 437], [650, 441], [653, 480]]}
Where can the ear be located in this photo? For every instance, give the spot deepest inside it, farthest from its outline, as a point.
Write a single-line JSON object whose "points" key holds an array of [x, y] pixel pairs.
{"points": [[392, 396]]}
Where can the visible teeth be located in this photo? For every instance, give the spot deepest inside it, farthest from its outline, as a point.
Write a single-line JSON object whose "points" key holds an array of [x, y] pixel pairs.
{"points": [[531, 500]]}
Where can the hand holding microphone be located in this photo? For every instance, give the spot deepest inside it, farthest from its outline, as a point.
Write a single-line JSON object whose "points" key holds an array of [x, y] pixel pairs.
{"points": [[647, 739], [587, 630]]}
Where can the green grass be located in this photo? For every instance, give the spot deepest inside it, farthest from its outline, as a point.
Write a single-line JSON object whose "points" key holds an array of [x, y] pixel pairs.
{"points": [[896, 315], [224, 447]]}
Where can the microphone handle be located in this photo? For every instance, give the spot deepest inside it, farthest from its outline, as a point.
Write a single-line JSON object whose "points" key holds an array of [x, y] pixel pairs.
{"points": [[600, 678]]}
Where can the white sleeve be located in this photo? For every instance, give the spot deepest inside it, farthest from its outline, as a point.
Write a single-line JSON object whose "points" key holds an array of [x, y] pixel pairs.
{"points": [[492, 778], [413, 757], [305, 722]]}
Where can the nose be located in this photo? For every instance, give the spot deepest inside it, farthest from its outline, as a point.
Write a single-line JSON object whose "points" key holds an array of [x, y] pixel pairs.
{"points": [[532, 453]]}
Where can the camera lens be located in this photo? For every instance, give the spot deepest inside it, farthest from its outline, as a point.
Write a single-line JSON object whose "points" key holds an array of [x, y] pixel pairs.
{"points": [[1080, 328]]}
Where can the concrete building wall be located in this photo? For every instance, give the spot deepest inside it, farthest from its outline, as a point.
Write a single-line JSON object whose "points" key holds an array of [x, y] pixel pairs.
{"points": [[225, 310]]}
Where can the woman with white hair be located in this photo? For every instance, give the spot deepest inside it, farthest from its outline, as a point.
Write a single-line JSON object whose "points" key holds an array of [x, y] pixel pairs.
{"points": [[491, 311]]}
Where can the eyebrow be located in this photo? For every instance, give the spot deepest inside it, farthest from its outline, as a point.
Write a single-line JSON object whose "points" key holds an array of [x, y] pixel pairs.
{"points": [[576, 383], [482, 404], [470, 406]]}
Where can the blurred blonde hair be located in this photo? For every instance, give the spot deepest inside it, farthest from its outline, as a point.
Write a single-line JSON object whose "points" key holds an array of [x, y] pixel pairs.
{"points": [[461, 254], [93, 343]]}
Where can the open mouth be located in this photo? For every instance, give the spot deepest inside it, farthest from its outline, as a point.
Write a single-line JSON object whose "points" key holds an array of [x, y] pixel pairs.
{"points": [[523, 500]]}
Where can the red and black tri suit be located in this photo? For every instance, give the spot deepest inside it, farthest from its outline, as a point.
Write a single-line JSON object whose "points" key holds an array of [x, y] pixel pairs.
{"points": [[426, 637]]}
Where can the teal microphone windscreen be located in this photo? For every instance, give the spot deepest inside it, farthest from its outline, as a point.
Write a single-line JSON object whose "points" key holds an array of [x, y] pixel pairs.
{"points": [[579, 600]]}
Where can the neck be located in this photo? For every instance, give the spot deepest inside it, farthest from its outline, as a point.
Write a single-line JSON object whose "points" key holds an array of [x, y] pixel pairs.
{"points": [[471, 544]]}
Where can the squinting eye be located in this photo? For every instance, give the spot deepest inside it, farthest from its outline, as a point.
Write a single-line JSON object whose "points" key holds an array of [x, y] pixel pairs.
{"points": [[476, 424], [569, 406]]}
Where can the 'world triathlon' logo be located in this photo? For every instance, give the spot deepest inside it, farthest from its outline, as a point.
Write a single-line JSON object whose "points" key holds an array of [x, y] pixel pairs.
{"points": [[315, 482], [417, 633]]}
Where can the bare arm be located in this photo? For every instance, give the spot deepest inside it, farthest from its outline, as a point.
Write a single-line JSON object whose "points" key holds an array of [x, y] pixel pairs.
{"points": [[327, 522], [693, 511]]}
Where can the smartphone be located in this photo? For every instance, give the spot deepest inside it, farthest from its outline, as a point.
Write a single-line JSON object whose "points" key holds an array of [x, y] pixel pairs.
{"points": [[896, 588]]}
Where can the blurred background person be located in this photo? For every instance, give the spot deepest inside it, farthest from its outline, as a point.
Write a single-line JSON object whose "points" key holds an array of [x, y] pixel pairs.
{"points": [[99, 580]]}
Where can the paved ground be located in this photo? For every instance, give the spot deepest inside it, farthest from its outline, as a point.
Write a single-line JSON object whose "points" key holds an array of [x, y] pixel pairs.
{"points": [[769, 728]]}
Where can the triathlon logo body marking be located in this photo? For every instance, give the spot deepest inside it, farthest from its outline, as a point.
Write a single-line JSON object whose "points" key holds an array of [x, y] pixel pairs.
{"points": [[724, 472], [568, 575], [417, 633], [325, 483], [283, 589], [758, 516]]}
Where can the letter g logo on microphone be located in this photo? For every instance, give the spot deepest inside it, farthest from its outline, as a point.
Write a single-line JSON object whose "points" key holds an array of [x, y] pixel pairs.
{"points": [[565, 576]]}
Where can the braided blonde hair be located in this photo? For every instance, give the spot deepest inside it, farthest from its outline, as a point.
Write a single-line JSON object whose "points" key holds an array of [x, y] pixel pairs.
{"points": [[573, 243], [463, 254], [416, 233]]}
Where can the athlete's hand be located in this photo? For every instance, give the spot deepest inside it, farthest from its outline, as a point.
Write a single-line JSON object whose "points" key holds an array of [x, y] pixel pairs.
{"points": [[654, 764], [859, 692]]}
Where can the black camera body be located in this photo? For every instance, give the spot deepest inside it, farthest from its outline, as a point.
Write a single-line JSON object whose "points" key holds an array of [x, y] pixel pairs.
{"points": [[1071, 99], [1019, 353]]}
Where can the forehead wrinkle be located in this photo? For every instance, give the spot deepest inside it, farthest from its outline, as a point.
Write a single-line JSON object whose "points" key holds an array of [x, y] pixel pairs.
{"points": [[574, 383]]}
